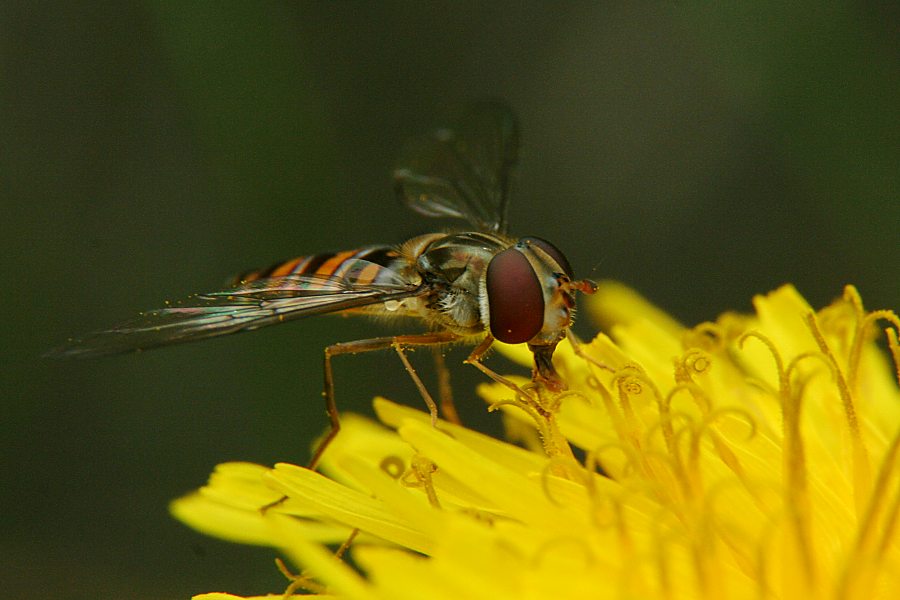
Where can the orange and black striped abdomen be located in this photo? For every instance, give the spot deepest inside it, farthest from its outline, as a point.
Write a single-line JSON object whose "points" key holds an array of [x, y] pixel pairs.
{"points": [[360, 266]]}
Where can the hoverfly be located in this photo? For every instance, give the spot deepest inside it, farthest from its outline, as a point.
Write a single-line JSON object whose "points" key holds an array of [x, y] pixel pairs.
{"points": [[468, 285]]}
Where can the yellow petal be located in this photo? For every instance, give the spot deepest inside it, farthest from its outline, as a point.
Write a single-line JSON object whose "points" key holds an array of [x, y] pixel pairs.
{"points": [[343, 505]]}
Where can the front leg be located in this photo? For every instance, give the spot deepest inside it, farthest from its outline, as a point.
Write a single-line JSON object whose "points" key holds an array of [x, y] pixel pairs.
{"points": [[478, 353]]}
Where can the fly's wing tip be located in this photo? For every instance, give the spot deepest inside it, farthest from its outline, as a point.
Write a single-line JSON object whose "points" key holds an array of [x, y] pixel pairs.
{"points": [[67, 350], [76, 348]]}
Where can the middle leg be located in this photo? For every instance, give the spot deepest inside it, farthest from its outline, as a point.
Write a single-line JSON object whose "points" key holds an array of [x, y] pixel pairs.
{"points": [[398, 343]]}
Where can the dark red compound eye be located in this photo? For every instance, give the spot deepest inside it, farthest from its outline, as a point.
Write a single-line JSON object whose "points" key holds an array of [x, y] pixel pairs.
{"points": [[515, 298], [552, 251]]}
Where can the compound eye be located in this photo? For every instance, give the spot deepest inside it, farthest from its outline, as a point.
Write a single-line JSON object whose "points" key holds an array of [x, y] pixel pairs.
{"points": [[515, 298], [551, 251]]}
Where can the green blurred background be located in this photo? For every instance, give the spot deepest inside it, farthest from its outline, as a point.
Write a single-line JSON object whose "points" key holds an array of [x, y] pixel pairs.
{"points": [[153, 149]]}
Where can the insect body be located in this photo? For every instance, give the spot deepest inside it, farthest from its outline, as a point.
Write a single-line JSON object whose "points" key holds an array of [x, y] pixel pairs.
{"points": [[478, 284]]}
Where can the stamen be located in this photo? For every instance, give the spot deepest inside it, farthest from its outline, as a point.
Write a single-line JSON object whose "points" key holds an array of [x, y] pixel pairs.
{"points": [[554, 466], [851, 295], [865, 549], [298, 581], [859, 339], [696, 393], [419, 476], [393, 466], [630, 454], [609, 407], [861, 471], [724, 451], [894, 346], [795, 488], [779, 365], [539, 422]]}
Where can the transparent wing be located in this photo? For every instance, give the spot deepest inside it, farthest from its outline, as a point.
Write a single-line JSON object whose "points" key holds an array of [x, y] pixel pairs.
{"points": [[463, 172], [249, 306]]}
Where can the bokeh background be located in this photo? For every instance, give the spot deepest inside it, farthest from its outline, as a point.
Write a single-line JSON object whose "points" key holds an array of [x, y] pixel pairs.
{"points": [[149, 150]]}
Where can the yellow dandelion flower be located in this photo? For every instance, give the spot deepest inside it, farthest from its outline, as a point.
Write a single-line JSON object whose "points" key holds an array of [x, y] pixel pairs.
{"points": [[750, 457]]}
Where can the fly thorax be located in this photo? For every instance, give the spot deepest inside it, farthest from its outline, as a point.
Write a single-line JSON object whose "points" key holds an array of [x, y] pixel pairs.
{"points": [[453, 266], [459, 307]]}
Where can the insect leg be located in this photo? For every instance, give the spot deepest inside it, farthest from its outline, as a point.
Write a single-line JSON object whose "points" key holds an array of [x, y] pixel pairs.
{"points": [[434, 340], [429, 401], [359, 346], [475, 357], [445, 391], [579, 352], [306, 582], [536, 405]]}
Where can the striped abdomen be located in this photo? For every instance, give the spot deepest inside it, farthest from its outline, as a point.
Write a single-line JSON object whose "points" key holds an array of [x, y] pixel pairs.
{"points": [[361, 266]]}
